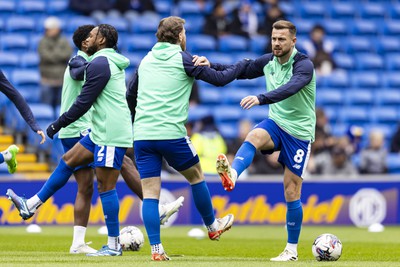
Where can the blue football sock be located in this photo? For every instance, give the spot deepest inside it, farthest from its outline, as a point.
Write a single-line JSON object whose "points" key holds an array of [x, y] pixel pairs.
{"points": [[202, 200], [294, 219], [110, 203], [151, 219], [57, 180], [244, 157], [1, 158]]}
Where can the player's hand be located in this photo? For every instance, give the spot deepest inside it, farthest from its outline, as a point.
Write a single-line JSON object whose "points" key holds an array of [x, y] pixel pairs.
{"points": [[201, 61], [249, 102], [53, 129], [41, 133]]}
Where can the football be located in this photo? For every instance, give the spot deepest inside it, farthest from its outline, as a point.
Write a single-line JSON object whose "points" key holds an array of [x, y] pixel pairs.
{"points": [[327, 247], [131, 238]]}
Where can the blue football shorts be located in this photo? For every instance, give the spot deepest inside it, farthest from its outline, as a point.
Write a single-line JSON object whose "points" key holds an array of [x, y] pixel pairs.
{"points": [[294, 153], [104, 156], [179, 153]]}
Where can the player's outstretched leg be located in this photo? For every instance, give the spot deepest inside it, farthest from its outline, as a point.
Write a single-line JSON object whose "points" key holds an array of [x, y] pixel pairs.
{"points": [[166, 210], [226, 173], [10, 157], [20, 204], [286, 255], [224, 224]]}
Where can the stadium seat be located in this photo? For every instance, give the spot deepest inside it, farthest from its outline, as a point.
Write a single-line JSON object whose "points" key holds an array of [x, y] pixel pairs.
{"points": [[387, 115], [146, 24], [42, 112], [229, 131], [312, 10], [163, 8], [259, 43], [368, 61], [30, 93], [7, 7], [56, 7], [394, 11], [329, 97], [392, 61], [194, 25], [337, 79], [335, 27], [392, 80], [227, 113], [367, 79], [14, 42], [138, 43], [77, 21], [30, 60], [344, 61], [30, 7], [233, 96], [354, 115], [342, 10], [386, 129], [359, 97], [210, 95], [134, 58], [9, 60], [200, 43], [303, 26], [233, 43], [357, 44], [340, 129], [388, 45], [372, 10], [187, 8], [20, 24], [391, 27], [287, 8], [198, 112], [25, 77], [393, 163], [388, 97], [222, 58], [256, 114], [364, 28], [120, 23], [13, 119]]}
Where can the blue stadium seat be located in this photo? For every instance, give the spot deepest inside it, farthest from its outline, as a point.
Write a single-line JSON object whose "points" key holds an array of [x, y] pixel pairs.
{"points": [[25, 77], [9, 60], [329, 97], [234, 95], [392, 61], [185, 8], [30, 60], [342, 10], [359, 97], [344, 61], [134, 59], [200, 43], [42, 112], [56, 7], [163, 8], [394, 11], [227, 113], [388, 45], [228, 130], [210, 95], [146, 24], [13, 119], [194, 25], [14, 42], [335, 27], [256, 114], [233, 43], [389, 115], [393, 163], [354, 115], [120, 23], [303, 25], [259, 43], [8, 7], [367, 79], [30, 93], [77, 21], [138, 43], [20, 24], [372, 10], [222, 58], [386, 129], [391, 27], [340, 129], [364, 28], [337, 79], [368, 61], [388, 97], [312, 10], [198, 112], [30, 7], [357, 44], [392, 80]]}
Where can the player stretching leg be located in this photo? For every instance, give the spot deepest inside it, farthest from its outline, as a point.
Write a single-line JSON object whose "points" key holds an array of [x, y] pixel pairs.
{"points": [[290, 127], [158, 97]]}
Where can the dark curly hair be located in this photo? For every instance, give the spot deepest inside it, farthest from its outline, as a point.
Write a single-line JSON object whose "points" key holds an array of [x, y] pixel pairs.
{"points": [[169, 29], [110, 33], [81, 34]]}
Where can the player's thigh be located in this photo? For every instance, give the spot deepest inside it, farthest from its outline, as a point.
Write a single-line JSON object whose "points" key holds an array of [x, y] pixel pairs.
{"points": [[151, 187], [292, 184], [194, 174], [260, 139], [78, 155]]}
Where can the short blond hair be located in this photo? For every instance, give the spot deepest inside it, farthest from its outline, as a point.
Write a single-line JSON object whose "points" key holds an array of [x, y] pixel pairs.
{"points": [[285, 24]]}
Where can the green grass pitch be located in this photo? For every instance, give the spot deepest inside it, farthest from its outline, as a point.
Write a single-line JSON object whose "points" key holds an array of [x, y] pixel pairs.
{"points": [[242, 246]]}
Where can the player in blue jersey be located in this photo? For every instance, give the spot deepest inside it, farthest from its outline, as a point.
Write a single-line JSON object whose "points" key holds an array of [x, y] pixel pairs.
{"points": [[289, 127], [9, 155]]}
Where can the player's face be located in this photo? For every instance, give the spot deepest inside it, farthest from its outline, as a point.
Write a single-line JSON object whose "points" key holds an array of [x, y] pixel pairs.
{"points": [[93, 41], [282, 42], [182, 37]]}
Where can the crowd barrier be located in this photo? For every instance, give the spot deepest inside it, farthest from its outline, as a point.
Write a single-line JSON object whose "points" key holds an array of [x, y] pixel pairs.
{"points": [[333, 201]]}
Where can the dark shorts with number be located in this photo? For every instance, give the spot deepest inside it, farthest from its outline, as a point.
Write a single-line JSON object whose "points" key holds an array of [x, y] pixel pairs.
{"points": [[294, 153]]}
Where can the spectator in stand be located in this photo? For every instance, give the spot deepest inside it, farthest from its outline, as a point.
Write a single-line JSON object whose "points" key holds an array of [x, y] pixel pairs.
{"points": [[245, 20], [216, 24], [320, 50], [267, 164], [208, 141], [395, 143], [139, 6], [54, 52], [86, 7], [339, 163], [273, 14], [373, 158]]}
